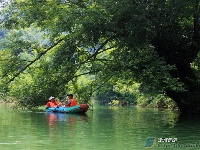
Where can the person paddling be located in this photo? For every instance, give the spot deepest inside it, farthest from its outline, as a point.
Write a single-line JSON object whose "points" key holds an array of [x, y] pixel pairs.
{"points": [[52, 103], [71, 101]]}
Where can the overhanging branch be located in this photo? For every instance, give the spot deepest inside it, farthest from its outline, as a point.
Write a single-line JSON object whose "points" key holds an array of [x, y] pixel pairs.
{"points": [[97, 50], [103, 83], [33, 61]]}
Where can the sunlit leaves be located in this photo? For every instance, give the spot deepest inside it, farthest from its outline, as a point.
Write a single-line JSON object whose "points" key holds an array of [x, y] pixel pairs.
{"points": [[22, 46], [110, 40]]}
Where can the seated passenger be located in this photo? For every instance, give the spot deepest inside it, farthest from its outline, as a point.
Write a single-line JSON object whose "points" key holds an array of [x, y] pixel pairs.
{"points": [[52, 103], [71, 101], [62, 103]]}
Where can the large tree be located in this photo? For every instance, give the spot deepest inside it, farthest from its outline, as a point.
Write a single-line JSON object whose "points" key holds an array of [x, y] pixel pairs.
{"points": [[155, 43]]}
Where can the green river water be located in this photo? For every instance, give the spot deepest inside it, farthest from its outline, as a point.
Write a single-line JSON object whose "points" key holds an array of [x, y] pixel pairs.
{"points": [[104, 128]]}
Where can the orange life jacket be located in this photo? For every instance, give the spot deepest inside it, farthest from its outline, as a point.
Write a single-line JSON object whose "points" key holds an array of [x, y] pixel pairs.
{"points": [[52, 104], [72, 102]]}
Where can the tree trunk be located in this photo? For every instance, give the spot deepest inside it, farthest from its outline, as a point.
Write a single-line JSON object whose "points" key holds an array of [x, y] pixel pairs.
{"points": [[175, 53], [181, 52]]}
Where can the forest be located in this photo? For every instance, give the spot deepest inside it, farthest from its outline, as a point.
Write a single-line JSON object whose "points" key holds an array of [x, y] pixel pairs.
{"points": [[139, 52]]}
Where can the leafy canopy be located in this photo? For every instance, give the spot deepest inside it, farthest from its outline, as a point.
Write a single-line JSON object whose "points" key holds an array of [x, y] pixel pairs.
{"points": [[56, 40]]}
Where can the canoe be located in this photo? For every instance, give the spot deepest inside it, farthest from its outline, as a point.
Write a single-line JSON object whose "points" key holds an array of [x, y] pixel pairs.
{"points": [[82, 108]]}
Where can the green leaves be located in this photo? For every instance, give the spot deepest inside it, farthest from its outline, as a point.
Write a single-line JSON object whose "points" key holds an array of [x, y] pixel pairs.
{"points": [[107, 41]]}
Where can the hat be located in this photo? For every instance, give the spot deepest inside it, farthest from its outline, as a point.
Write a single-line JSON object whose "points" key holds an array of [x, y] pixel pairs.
{"points": [[50, 98], [69, 94]]}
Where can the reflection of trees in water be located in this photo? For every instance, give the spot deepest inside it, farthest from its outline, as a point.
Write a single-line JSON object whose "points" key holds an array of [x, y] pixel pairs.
{"points": [[188, 119], [170, 118], [186, 128], [158, 117]]}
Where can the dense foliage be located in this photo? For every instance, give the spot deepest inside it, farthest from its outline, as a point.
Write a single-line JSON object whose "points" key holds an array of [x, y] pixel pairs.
{"points": [[52, 43]]}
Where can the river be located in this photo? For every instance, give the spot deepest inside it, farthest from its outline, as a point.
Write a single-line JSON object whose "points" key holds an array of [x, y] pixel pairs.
{"points": [[104, 128]]}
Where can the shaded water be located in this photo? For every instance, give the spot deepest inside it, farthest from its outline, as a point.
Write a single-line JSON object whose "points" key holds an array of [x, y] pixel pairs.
{"points": [[105, 128]]}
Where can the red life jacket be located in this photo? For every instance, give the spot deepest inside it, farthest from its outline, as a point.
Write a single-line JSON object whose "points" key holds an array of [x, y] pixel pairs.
{"points": [[72, 102], [52, 104]]}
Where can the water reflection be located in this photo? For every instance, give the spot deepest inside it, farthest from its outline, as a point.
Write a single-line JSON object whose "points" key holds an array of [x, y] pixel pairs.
{"points": [[187, 128], [104, 128], [71, 118], [60, 122], [54, 118]]}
